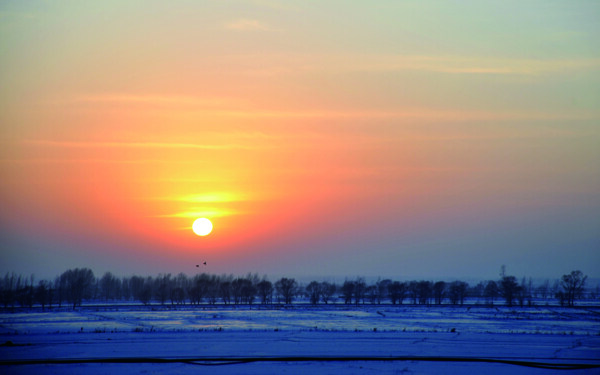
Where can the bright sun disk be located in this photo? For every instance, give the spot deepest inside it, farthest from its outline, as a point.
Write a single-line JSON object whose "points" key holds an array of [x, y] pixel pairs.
{"points": [[202, 226]]}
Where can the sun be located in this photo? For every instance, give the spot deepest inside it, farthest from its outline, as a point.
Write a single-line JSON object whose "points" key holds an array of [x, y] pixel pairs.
{"points": [[202, 226]]}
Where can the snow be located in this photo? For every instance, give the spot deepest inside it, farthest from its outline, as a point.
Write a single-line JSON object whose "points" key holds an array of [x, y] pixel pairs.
{"points": [[543, 334]]}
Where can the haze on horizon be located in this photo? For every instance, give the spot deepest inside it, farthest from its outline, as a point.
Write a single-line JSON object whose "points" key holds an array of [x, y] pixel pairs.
{"points": [[414, 139]]}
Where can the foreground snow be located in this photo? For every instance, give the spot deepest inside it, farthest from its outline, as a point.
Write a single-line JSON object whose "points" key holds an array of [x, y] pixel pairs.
{"points": [[551, 335]]}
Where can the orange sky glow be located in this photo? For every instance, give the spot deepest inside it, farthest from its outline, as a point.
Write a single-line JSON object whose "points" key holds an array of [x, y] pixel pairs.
{"points": [[369, 141]]}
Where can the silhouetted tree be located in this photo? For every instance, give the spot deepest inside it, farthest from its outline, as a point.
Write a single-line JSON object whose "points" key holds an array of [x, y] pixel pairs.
{"points": [[382, 289], [372, 293], [243, 290], [42, 293], [236, 290], [313, 290], [491, 291], [198, 288], [107, 285], [286, 289], [79, 282], [327, 291], [162, 287], [360, 288], [424, 292], [225, 289], [137, 287], [265, 291], [125, 289], [439, 291], [348, 291], [524, 292], [75, 285], [60, 284], [477, 291], [8, 290], [179, 287], [397, 292], [25, 292], [573, 285], [509, 289], [20, 291], [213, 289], [412, 289], [145, 296], [457, 291]]}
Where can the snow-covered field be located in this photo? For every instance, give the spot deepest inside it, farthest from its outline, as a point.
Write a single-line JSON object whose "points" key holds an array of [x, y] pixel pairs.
{"points": [[460, 334]]}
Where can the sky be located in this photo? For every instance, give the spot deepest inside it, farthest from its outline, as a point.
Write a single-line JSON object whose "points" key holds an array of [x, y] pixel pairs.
{"points": [[323, 139]]}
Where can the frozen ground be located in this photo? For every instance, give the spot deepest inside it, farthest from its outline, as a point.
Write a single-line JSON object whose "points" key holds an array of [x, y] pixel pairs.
{"points": [[548, 335]]}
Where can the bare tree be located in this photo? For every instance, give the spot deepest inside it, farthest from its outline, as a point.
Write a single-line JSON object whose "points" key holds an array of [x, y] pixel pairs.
{"points": [[327, 291], [213, 289], [360, 288], [348, 291], [42, 293], [457, 292], [125, 289], [225, 289], [382, 289], [424, 292], [372, 293], [177, 292], [439, 292], [509, 288], [79, 282], [491, 291], [236, 290], [397, 292], [163, 287], [313, 289], [572, 285], [412, 289], [247, 289], [136, 285], [286, 288], [147, 290], [8, 290], [198, 288], [265, 291], [25, 293], [107, 285]]}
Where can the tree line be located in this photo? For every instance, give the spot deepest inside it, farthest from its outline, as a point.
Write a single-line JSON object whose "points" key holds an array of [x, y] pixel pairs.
{"points": [[74, 286]]}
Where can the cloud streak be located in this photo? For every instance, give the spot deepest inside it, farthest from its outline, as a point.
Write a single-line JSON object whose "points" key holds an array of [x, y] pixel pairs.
{"points": [[449, 64], [208, 212], [232, 107], [140, 145], [217, 197], [166, 100]]}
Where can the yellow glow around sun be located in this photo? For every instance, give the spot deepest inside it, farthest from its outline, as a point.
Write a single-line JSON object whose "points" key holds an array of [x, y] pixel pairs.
{"points": [[202, 227]]}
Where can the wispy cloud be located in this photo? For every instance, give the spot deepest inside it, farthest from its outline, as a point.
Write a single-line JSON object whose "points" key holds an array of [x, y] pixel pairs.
{"points": [[153, 145], [100, 161], [202, 212], [289, 64], [458, 64], [168, 100], [232, 107], [217, 197], [245, 24]]}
